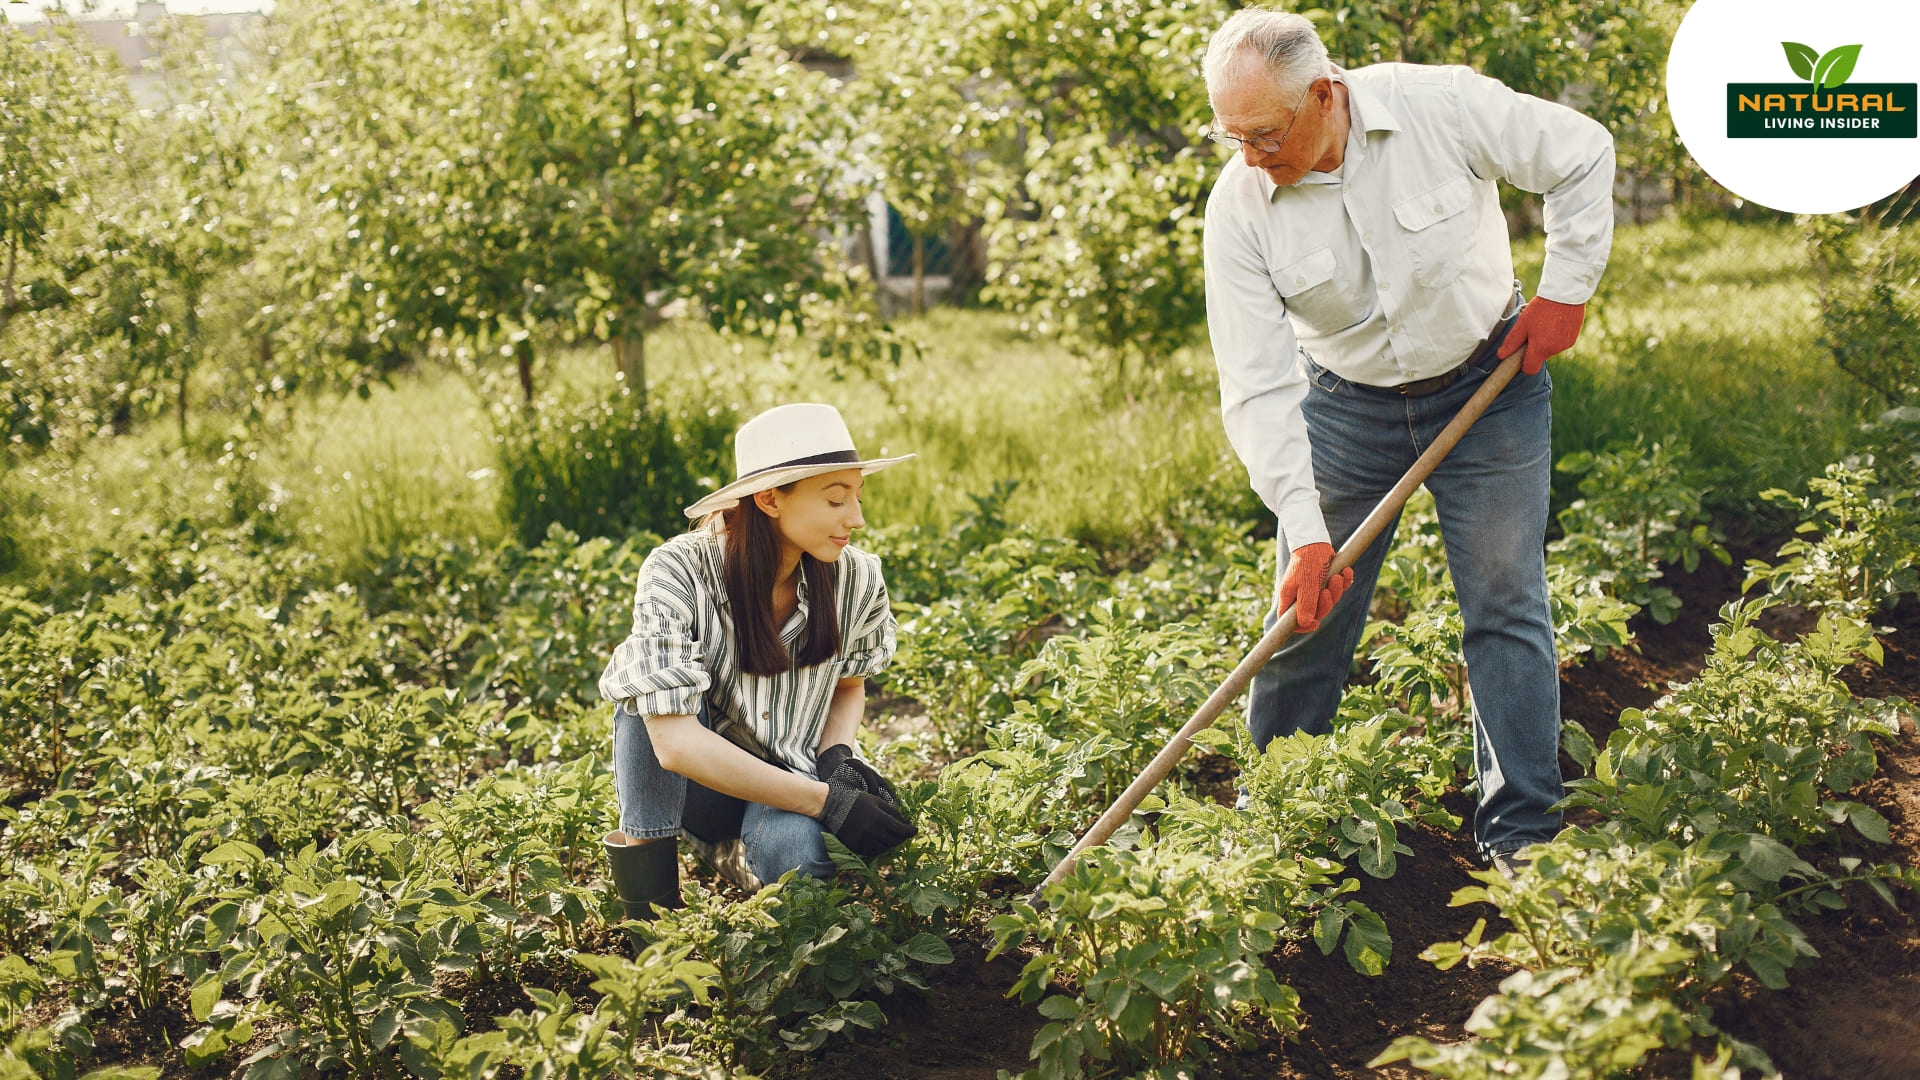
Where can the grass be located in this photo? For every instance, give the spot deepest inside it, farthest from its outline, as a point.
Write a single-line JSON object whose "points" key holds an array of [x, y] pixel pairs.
{"points": [[1703, 334], [981, 404]]}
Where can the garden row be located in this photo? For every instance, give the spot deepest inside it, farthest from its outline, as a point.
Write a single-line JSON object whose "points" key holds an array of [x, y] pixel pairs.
{"points": [[261, 821]]}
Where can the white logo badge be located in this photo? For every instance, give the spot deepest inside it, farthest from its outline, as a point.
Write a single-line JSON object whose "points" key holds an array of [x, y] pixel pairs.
{"points": [[1806, 108]]}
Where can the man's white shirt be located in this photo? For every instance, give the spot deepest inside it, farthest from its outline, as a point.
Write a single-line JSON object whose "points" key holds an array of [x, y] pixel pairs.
{"points": [[1396, 266]]}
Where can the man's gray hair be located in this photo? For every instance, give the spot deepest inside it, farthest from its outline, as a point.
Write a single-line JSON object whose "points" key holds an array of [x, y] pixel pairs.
{"points": [[1286, 44]]}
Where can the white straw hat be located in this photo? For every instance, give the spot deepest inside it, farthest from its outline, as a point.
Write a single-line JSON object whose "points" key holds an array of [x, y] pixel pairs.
{"points": [[784, 444]]}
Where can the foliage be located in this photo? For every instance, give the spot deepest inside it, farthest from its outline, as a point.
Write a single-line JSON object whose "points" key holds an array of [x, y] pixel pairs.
{"points": [[1162, 944], [799, 953], [61, 110], [608, 467], [1551, 1024], [620, 158], [1621, 928], [1865, 554], [565, 609], [1760, 741], [1869, 311], [1637, 512], [1096, 237]]}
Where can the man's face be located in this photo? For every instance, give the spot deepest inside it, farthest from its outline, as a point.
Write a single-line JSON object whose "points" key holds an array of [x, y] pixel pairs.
{"points": [[1249, 106]]}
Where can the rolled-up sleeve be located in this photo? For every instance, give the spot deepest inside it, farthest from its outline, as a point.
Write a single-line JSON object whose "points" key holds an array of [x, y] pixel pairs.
{"points": [[1261, 384], [1550, 150], [870, 649], [658, 669]]}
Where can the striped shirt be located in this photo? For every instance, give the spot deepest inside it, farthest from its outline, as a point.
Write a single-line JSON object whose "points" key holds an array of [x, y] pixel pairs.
{"points": [[682, 649]]}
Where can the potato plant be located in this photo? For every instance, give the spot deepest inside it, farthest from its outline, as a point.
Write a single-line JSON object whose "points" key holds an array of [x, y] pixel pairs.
{"points": [[302, 810], [1766, 739], [1162, 946], [1621, 928], [1637, 513], [1856, 548]]}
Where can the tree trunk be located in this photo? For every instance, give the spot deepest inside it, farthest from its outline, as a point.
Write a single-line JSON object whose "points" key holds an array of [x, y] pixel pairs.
{"points": [[186, 371], [6, 296], [919, 274], [187, 356], [523, 359], [630, 355]]}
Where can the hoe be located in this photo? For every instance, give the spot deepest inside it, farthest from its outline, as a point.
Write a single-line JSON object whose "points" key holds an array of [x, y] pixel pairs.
{"points": [[1224, 695]]}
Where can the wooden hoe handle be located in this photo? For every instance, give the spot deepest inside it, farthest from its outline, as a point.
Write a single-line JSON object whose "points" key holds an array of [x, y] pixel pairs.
{"points": [[1224, 695]]}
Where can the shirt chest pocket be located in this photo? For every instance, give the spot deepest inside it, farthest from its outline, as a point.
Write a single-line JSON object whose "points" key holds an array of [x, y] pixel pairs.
{"points": [[1438, 227], [1304, 274]]}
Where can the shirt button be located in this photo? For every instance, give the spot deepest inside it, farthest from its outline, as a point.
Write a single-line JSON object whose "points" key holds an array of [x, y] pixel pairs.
{"points": [[1439, 209], [766, 716], [1366, 237], [1385, 285], [1398, 329], [1300, 280]]}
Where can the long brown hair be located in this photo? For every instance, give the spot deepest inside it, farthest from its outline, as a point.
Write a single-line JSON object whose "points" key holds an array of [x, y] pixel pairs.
{"points": [[752, 557]]}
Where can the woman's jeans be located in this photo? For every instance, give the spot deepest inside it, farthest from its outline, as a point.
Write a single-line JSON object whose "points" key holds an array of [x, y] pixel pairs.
{"points": [[655, 803], [1491, 492]]}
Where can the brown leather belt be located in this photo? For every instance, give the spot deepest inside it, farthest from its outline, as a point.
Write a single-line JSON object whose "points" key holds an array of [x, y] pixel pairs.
{"points": [[1423, 387]]}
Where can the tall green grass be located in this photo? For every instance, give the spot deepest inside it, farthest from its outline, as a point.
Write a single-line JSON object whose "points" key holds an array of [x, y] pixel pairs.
{"points": [[981, 404], [1705, 334]]}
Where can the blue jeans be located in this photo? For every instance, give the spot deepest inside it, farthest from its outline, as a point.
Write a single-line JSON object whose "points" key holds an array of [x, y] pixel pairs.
{"points": [[1491, 493], [656, 803]]}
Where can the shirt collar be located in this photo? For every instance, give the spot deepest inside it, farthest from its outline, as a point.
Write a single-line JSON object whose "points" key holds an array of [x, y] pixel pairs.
{"points": [[1366, 112]]}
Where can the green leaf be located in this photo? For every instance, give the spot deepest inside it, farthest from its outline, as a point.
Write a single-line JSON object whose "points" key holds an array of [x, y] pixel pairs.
{"points": [[384, 1027], [233, 851], [1868, 822], [1768, 859], [206, 994], [1369, 946], [1326, 928], [1770, 971], [1836, 66], [1801, 58], [1060, 1007], [928, 949]]}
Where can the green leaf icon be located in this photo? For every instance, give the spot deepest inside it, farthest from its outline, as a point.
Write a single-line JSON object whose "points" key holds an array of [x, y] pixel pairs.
{"points": [[1802, 58], [1834, 68]]}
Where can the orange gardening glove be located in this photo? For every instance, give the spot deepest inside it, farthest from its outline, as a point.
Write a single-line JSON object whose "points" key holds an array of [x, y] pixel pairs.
{"points": [[1547, 328], [1307, 586]]}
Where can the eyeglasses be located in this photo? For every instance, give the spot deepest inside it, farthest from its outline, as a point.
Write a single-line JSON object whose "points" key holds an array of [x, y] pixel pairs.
{"points": [[1263, 145]]}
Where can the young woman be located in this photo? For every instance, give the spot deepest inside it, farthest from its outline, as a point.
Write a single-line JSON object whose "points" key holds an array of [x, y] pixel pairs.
{"points": [[740, 688]]}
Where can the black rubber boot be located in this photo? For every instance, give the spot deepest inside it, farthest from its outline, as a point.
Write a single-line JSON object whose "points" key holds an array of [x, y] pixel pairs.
{"points": [[644, 875]]}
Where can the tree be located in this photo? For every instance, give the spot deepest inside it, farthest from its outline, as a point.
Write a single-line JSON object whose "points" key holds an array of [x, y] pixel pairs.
{"points": [[486, 169], [178, 223], [1098, 238], [60, 105], [924, 115]]}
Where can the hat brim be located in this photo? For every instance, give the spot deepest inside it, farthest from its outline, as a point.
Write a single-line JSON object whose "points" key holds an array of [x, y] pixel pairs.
{"points": [[730, 496]]}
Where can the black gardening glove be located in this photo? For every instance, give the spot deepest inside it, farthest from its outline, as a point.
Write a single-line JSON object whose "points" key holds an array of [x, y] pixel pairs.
{"points": [[862, 821], [871, 781]]}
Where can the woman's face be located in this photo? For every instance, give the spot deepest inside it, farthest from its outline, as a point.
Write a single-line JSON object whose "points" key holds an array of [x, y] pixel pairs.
{"points": [[817, 515]]}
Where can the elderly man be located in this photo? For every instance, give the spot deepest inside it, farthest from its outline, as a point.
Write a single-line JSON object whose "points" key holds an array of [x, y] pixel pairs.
{"points": [[1360, 288]]}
